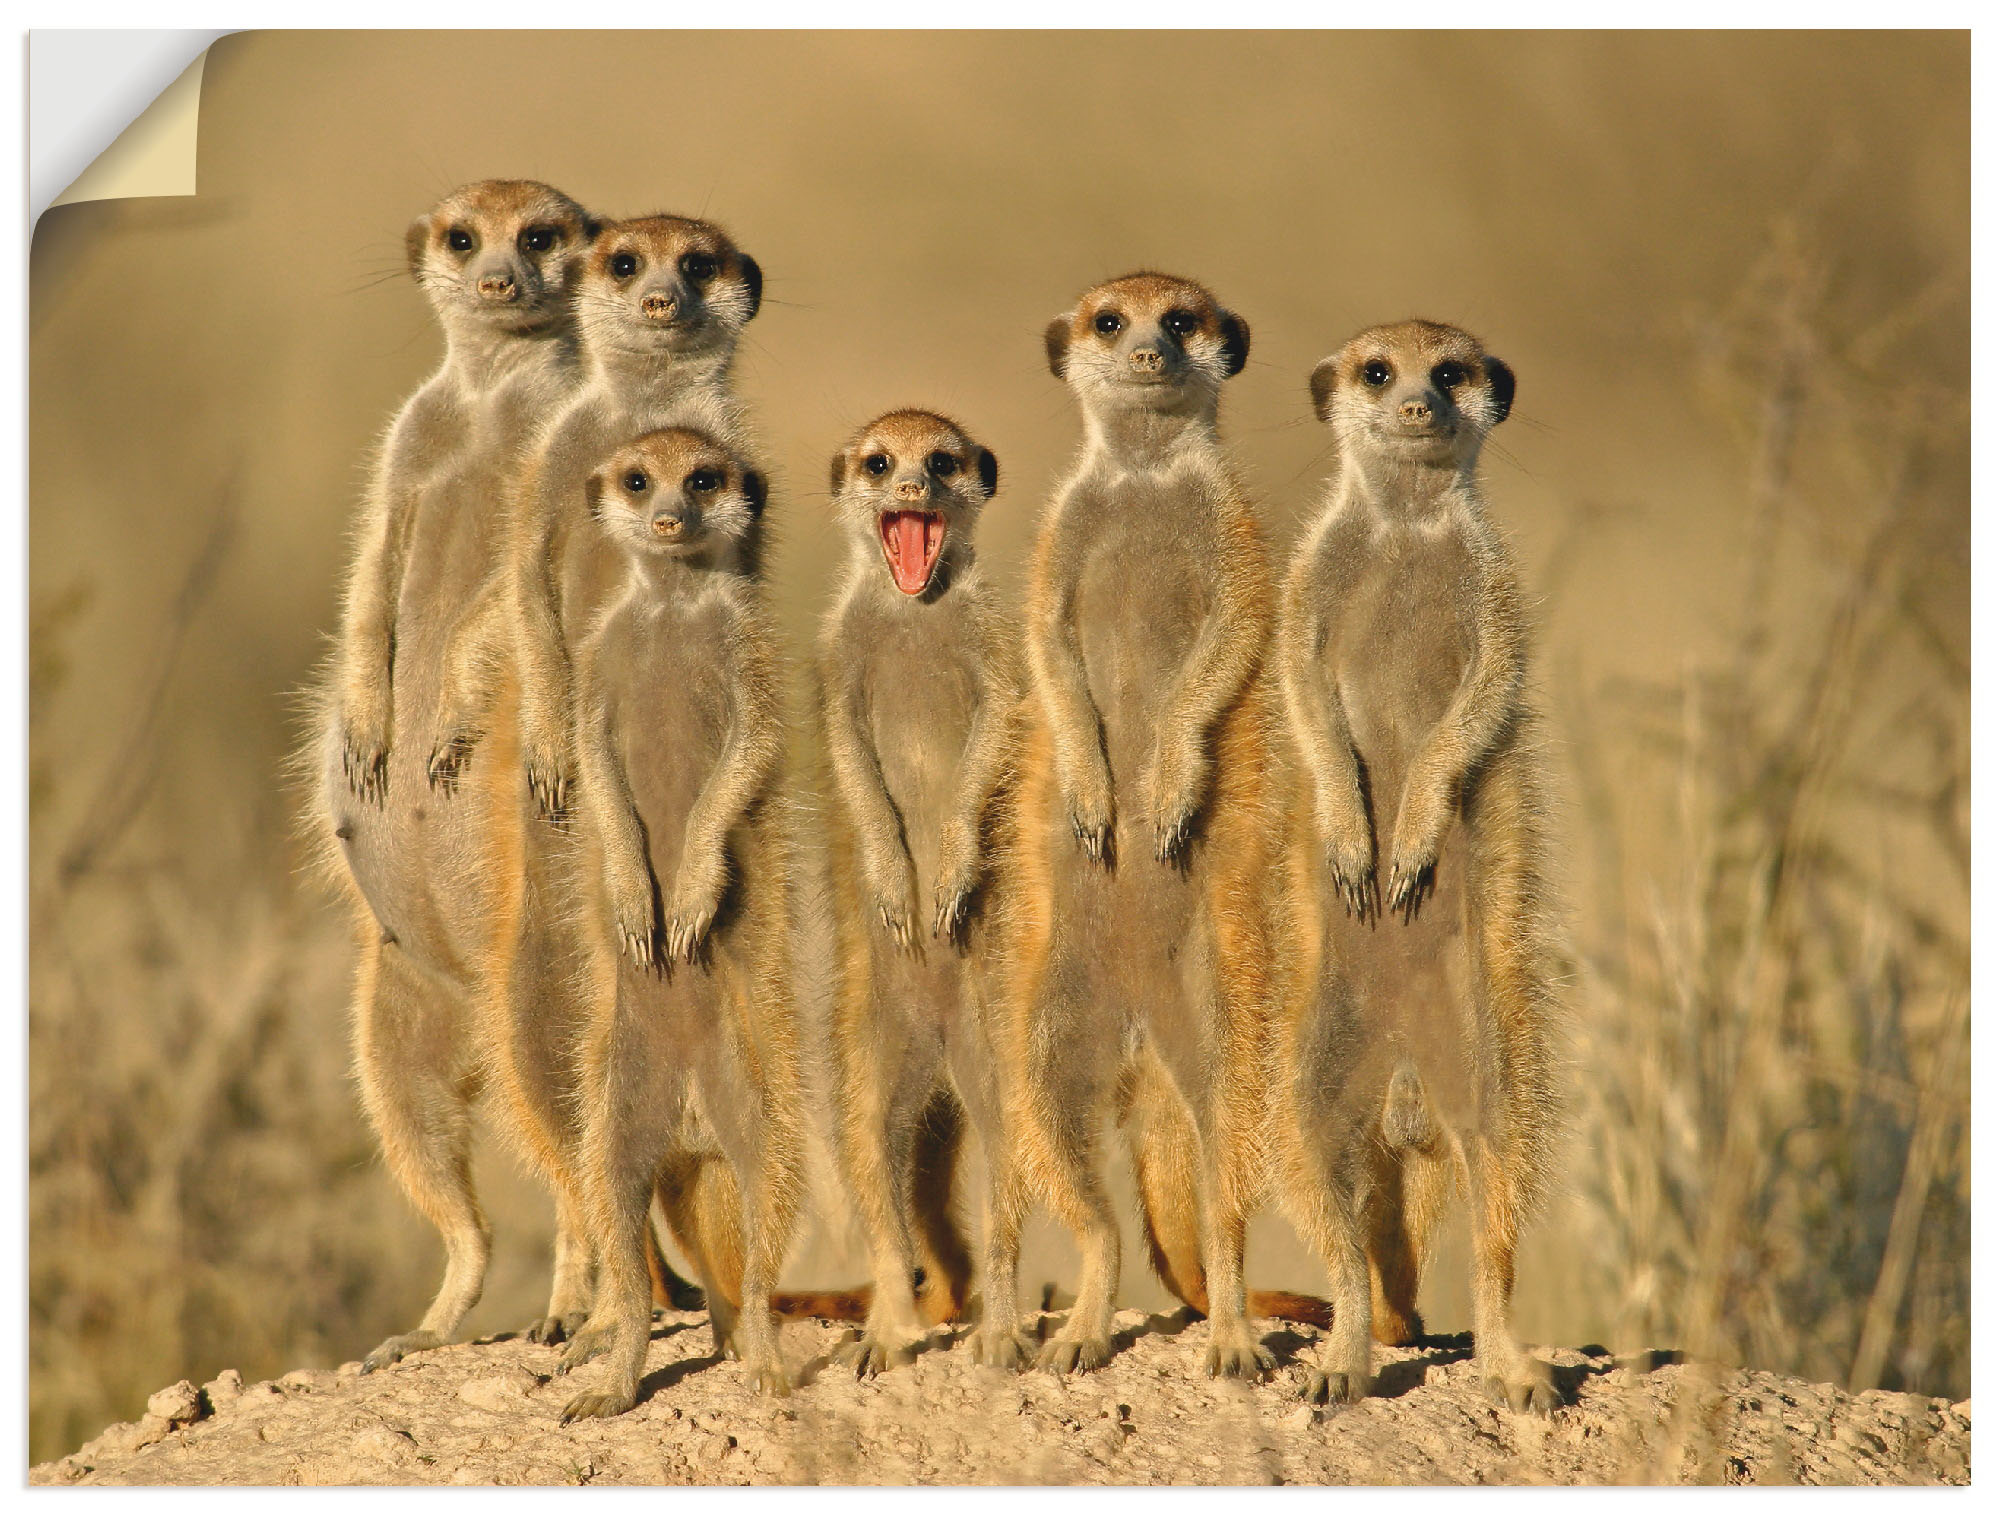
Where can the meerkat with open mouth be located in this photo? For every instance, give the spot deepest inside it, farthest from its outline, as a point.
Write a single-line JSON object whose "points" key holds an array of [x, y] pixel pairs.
{"points": [[918, 697]]}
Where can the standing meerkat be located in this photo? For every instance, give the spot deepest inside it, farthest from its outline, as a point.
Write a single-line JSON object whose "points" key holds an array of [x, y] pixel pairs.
{"points": [[693, 1060], [497, 260], [917, 696], [660, 303], [1417, 1036], [1134, 886]]}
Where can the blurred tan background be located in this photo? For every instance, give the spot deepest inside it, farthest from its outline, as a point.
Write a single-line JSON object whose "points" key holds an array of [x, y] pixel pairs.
{"points": [[1731, 271]]}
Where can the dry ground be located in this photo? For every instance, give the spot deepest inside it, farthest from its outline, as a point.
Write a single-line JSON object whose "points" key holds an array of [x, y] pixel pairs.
{"points": [[486, 1413]]}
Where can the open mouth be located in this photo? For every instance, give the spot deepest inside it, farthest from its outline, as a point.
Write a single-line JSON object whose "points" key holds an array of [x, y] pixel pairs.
{"points": [[911, 541]]}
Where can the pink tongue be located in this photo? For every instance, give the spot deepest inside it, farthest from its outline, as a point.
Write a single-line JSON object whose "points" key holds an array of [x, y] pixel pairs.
{"points": [[909, 560]]}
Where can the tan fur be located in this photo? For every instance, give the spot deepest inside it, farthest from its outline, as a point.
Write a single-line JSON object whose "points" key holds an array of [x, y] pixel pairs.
{"points": [[497, 261], [1141, 839], [657, 345], [1416, 1042], [690, 1079], [917, 687]]}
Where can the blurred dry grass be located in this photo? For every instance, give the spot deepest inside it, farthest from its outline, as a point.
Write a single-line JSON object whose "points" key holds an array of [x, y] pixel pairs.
{"points": [[1738, 476]]}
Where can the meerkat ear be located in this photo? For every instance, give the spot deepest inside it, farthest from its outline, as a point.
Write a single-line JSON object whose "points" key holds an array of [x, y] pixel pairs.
{"points": [[989, 472], [1324, 377], [1056, 341], [836, 476], [415, 240], [1501, 377], [753, 281], [1235, 343], [589, 227], [593, 491], [754, 491]]}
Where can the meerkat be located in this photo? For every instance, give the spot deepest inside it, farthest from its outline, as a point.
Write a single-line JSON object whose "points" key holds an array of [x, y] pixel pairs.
{"points": [[1134, 881], [1417, 1037], [497, 261], [918, 692], [660, 303], [693, 1060]]}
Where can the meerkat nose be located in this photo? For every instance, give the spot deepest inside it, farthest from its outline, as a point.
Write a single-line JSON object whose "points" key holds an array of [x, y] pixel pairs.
{"points": [[1416, 412], [668, 526], [1148, 359], [499, 288], [911, 489], [658, 306]]}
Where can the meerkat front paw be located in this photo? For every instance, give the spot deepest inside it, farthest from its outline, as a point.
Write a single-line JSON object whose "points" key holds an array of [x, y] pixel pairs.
{"points": [[895, 899], [1089, 800], [449, 756], [1349, 851], [1174, 782], [551, 775], [632, 909], [697, 898], [364, 748], [1413, 856], [554, 1330], [958, 877]]}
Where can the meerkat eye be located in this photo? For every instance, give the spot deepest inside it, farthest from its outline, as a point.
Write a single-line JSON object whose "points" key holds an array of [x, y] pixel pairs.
{"points": [[459, 239], [1109, 323], [538, 238], [697, 267], [623, 265], [876, 463], [635, 481], [1448, 375], [1374, 373], [704, 481], [941, 464], [1180, 322]]}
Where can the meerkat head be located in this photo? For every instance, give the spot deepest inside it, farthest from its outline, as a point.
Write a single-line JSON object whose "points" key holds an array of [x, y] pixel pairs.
{"points": [[912, 483], [1147, 342], [680, 495], [1415, 392], [502, 253], [667, 285]]}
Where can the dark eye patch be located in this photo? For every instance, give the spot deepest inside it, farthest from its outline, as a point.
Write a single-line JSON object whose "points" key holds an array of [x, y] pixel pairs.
{"points": [[876, 463], [697, 267], [1449, 375], [704, 481], [458, 239], [635, 481], [1375, 373], [941, 464], [623, 265], [1180, 322], [538, 239], [1108, 323]]}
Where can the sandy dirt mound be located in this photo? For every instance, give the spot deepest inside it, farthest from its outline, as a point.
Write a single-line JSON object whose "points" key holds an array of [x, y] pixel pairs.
{"points": [[486, 1413]]}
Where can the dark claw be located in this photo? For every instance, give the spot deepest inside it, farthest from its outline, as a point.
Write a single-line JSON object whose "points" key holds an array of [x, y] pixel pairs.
{"points": [[1170, 839], [447, 762], [950, 917], [367, 773]]}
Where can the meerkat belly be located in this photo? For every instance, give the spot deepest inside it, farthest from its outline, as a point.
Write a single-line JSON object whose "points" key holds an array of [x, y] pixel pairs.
{"points": [[921, 705], [1140, 606], [413, 858], [1403, 990]]}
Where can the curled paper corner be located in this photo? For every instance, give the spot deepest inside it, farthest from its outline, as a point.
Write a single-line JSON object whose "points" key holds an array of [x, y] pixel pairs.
{"points": [[155, 154]]}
